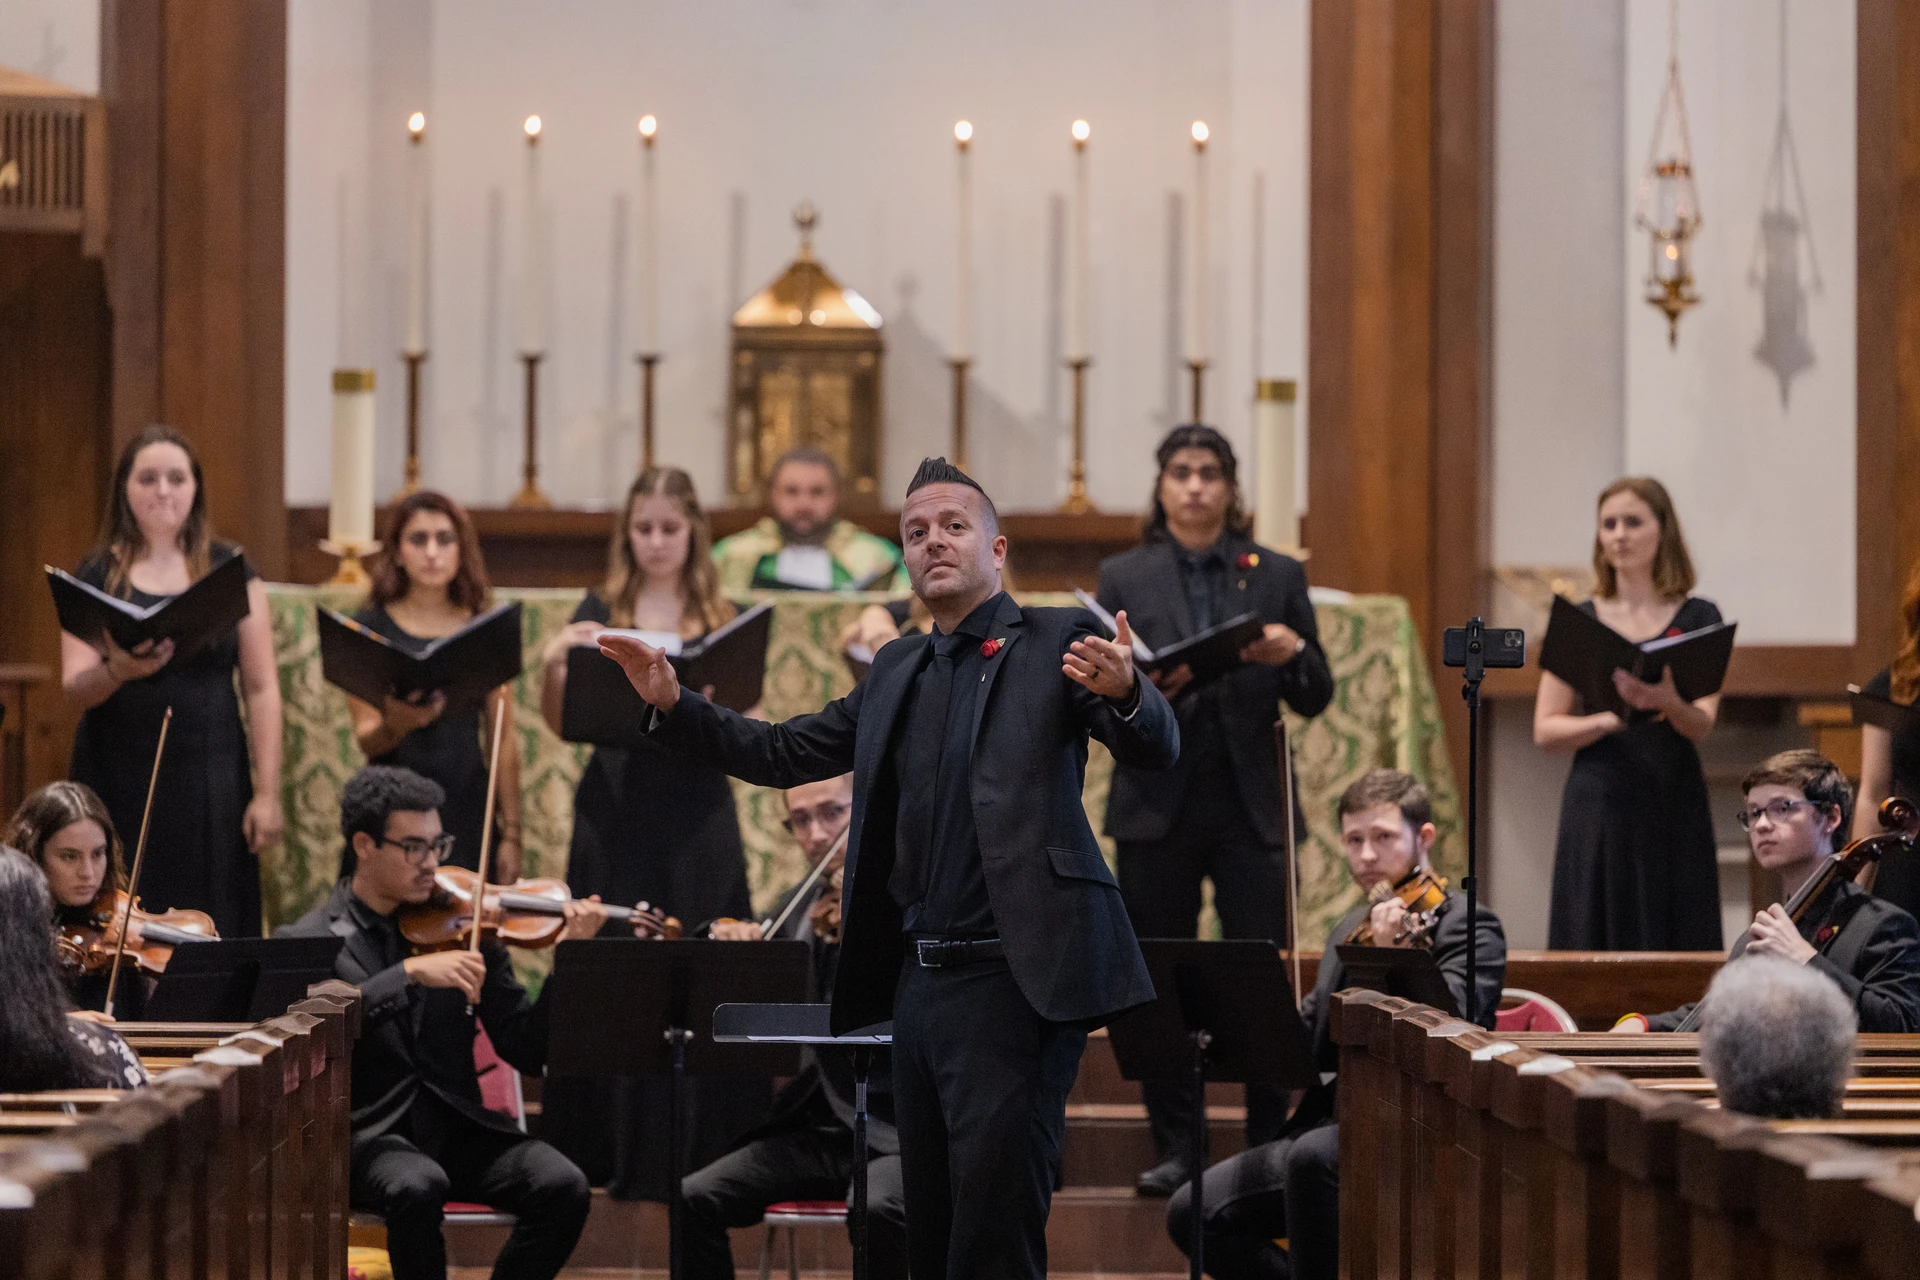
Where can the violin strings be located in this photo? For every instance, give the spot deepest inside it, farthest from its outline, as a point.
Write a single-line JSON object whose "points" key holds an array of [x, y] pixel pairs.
{"points": [[139, 855]]}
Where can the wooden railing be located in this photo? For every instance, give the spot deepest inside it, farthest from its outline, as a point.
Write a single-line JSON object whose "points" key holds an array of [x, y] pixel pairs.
{"points": [[232, 1165]]}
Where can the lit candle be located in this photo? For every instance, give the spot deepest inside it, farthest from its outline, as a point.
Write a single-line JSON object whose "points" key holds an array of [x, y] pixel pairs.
{"points": [[649, 243], [1276, 518], [350, 505], [1077, 297], [1197, 310], [417, 236], [963, 292], [533, 261]]}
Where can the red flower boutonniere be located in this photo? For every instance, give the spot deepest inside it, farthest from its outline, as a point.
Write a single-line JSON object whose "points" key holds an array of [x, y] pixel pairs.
{"points": [[1823, 935], [1672, 632], [990, 647], [1248, 559]]}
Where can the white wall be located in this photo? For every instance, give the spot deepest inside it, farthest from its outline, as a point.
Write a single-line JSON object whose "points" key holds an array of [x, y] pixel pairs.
{"points": [[57, 39], [847, 102]]}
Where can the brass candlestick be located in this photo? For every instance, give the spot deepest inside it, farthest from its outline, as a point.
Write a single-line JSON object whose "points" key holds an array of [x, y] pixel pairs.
{"points": [[530, 495], [960, 366], [1197, 369], [647, 362], [414, 360], [1077, 503], [351, 572]]}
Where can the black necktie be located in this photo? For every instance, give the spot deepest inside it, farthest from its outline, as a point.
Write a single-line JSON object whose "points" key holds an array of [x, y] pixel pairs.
{"points": [[926, 743]]}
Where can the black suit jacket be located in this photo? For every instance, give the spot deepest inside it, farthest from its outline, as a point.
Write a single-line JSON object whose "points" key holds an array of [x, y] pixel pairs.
{"points": [[1146, 583], [1059, 913], [417, 1038]]}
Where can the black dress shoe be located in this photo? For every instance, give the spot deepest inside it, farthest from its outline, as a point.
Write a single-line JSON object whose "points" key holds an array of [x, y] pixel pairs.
{"points": [[1164, 1178]]}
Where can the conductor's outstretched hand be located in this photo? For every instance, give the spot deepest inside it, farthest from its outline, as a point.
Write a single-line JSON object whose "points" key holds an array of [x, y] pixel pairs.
{"points": [[1104, 666], [647, 668]]}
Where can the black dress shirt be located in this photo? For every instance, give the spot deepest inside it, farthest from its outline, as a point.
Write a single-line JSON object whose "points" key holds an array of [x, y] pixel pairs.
{"points": [[1203, 734], [937, 879]]}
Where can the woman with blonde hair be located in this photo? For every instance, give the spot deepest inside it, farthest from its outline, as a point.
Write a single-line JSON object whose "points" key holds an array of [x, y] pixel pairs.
{"points": [[1634, 866]]}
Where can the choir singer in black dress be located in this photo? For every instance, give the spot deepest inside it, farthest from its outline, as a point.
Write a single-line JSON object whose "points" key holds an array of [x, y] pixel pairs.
{"points": [[1220, 812], [978, 913]]}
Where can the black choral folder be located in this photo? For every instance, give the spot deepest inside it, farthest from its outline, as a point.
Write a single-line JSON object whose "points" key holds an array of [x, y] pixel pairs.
{"points": [[199, 616], [602, 707], [1585, 652], [1209, 654], [466, 665]]}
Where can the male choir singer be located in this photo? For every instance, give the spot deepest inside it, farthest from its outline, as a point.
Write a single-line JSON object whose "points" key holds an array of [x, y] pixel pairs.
{"points": [[978, 913]]}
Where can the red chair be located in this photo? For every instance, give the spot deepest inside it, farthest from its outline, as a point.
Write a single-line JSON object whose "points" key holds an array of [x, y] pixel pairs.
{"points": [[794, 1214], [1523, 1010]]}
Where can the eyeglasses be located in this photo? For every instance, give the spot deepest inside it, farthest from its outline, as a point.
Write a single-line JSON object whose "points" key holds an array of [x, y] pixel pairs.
{"points": [[1777, 812], [417, 851], [825, 816]]}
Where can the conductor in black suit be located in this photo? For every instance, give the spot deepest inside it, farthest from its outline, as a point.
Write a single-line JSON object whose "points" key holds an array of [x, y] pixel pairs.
{"points": [[1220, 813], [978, 913]]}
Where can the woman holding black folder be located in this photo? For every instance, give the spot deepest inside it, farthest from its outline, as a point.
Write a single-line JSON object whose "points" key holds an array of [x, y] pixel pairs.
{"points": [[431, 582], [217, 801], [1634, 866]]}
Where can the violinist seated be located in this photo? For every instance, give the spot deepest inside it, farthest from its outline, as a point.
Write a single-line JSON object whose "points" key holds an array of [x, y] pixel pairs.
{"points": [[1797, 804], [1290, 1188], [420, 1134], [805, 1152]]}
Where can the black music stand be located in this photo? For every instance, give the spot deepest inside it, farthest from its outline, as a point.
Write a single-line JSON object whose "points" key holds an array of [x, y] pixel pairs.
{"points": [[239, 979], [812, 1024], [1223, 1011], [1408, 972], [628, 1007]]}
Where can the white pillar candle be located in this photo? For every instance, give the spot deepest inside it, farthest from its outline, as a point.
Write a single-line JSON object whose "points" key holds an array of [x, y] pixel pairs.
{"points": [[350, 505], [533, 265], [417, 236], [963, 283], [1276, 517], [1078, 305], [1197, 303], [649, 242]]}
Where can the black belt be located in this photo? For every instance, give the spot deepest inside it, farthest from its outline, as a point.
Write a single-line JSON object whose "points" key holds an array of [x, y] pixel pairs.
{"points": [[945, 953]]}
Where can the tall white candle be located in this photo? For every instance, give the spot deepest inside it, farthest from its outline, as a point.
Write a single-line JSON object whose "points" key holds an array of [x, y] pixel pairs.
{"points": [[1078, 304], [533, 261], [1276, 514], [417, 236], [649, 242], [1197, 304], [350, 502], [963, 285]]}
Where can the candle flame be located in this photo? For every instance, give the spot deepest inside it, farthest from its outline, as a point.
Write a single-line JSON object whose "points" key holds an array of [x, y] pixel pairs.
{"points": [[963, 132], [1200, 133], [417, 124], [533, 127], [1082, 130], [648, 127]]}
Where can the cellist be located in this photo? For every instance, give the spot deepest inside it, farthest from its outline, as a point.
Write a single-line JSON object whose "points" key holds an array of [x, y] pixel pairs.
{"points": [[1797, 804]]}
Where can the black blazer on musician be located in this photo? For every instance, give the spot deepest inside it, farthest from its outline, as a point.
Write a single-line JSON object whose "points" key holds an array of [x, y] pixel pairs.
{"points": [[1146, 583], [1068, 942]]}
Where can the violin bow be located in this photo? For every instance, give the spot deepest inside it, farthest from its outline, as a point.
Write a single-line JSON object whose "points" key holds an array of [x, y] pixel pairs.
{"points": [[486, 824], [1285, 746], [772, 926], [139, 855]]}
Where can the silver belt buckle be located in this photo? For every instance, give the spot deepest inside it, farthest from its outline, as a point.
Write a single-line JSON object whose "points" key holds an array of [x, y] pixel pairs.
{"points": [[925, 947]]}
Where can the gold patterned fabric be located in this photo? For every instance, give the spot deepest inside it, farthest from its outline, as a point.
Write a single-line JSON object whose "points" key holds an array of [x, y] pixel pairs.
{"points": [[1383, 714]]}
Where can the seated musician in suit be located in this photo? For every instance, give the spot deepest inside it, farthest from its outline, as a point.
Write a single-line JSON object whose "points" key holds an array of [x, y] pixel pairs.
{"points": [[420, 1134], [1291, 1187], [805, 1152], [1797, 805], [1777, 1040]]}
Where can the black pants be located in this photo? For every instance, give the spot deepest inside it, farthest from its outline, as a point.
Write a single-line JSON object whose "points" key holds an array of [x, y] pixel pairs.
{"points": [[813, 1161], [1289, 1188], [1160, 883], [980, 1085], [408, 1183]]}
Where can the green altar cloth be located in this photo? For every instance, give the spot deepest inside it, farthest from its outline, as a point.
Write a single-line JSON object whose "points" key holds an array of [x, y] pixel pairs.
{"points": [[1383, 714]]}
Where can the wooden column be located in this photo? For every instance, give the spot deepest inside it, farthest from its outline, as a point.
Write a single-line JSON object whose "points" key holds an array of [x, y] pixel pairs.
{"points": [[196, 262], [1399, 308]]}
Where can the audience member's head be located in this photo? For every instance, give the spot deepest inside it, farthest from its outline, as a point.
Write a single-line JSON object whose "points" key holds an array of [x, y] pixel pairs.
{"points": [[803, 489], [950, 534], [1198, 485], [65, 829], [1797, 804], [1386, 826], [36, 1049], [1776, 1039], [817, 812], [1637, 533], [665, 536], [390, 818]]}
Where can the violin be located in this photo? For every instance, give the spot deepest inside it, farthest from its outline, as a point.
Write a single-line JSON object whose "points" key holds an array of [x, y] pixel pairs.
{"points": [[90, 945], [526, 913], [824, 914], [1421, 893]]}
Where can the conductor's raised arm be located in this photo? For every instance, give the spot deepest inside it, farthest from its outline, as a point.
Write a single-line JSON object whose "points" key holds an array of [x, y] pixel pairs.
{"points": [[1119, 708]]}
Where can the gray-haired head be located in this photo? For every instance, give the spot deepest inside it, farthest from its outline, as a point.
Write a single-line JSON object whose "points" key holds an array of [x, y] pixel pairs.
{"points": [[1777, 1039]]}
